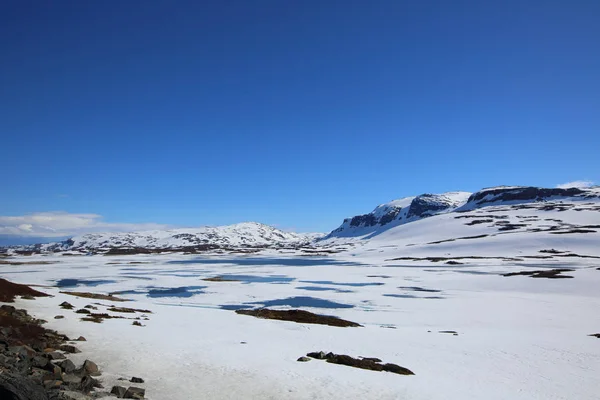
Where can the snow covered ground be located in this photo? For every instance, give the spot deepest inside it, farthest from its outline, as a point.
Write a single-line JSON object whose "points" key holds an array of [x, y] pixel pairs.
{"points": [[518, 337]]}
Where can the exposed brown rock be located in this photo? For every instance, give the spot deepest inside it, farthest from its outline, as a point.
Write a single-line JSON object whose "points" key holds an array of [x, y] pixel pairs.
{"points": [[370, 363], [9, 290], [300, 316], [128, 310], [96, 296], [547, 273]]}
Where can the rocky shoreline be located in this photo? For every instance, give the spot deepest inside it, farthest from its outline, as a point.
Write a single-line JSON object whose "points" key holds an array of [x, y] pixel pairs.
{"points": [[34, 361]]}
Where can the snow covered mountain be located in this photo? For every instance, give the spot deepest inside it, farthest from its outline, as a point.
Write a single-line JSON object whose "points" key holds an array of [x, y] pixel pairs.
{"points": [[411, 209], [243, 235]]}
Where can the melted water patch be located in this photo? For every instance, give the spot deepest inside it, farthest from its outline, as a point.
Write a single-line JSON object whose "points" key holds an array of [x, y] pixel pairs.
{"points": [[183, 291], [261, 261], [65, 283], [354, 284], [323, 289], [258, 279], [298, 301]]}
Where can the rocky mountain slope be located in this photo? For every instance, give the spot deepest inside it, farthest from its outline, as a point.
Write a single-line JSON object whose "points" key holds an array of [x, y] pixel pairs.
{"points": [[411, 209]]}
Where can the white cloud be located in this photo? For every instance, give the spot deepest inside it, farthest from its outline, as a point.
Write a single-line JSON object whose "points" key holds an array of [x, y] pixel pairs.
{"points": [[61, 224], [575, 184]]}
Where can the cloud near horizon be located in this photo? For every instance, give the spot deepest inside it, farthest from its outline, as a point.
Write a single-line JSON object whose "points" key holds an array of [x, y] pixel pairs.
{"points": [[61, 224], [575, 184]]}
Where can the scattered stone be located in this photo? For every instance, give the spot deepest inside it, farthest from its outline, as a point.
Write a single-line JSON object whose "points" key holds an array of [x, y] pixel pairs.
{"points": [[67, 305], [81, 339], [90, 368], [67, 366], [91, 307], [83, 311], [88, 384], [118, 391], [299, 316], [69, 348], [55, 355], [134, 393], [595, 335], [137, 323], [450, 332], [303, 359], [136, 380], [59, 317]]}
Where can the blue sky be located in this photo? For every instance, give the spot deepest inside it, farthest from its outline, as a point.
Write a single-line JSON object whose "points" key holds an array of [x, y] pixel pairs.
{"points": [[290, 113]]}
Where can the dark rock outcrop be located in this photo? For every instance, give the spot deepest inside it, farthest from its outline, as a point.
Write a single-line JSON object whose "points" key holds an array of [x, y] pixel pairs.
{"points": [[300, 316], [370, 363]]}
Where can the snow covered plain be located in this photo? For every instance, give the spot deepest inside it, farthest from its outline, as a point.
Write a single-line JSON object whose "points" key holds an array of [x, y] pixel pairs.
{"points": [[518, 337]]}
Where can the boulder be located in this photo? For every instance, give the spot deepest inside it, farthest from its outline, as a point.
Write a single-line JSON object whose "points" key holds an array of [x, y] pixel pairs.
{"points": [[17, 387], [81, 339], [118, 391], [88, 384], [68, 348], [59, 317], [303, 359], [39, 362], [67, 366], [90, 368], [136, 380], [55, 355], [71, 395], [66, 305], [319, 355], [134, 393], [71, 379]]}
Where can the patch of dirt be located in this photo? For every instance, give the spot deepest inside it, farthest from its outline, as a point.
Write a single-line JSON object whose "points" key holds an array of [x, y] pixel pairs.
{"points": [[574, 231], [128, 310], [87, 295], [220, 279], [3, 262], [9, 290], [100, 317], [300, 316], [549, 273]]}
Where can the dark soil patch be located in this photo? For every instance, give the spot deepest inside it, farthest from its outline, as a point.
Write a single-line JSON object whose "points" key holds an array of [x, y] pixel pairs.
{"points": [[549, 273], [3, 262], [128, 310], [370, 363], [460, 238], [479, 221], [220, 279], [96, 296], [574, 231], [419, 289], [300, 316], [100, 317], [9, 290]]}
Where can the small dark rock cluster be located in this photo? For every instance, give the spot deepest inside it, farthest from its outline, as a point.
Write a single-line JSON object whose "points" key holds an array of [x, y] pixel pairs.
{"points": [[371, 363], [548, 273]]}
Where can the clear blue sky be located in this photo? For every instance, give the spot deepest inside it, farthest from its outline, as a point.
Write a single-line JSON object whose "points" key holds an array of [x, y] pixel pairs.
{"points": [[292, 113]]}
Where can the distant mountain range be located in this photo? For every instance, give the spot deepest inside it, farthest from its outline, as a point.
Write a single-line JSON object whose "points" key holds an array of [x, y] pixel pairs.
{"points": [[252, 235]]}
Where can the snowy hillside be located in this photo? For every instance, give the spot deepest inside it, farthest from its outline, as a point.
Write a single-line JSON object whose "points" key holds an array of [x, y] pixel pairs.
{"points": [[243, 235], [412, 209]]}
